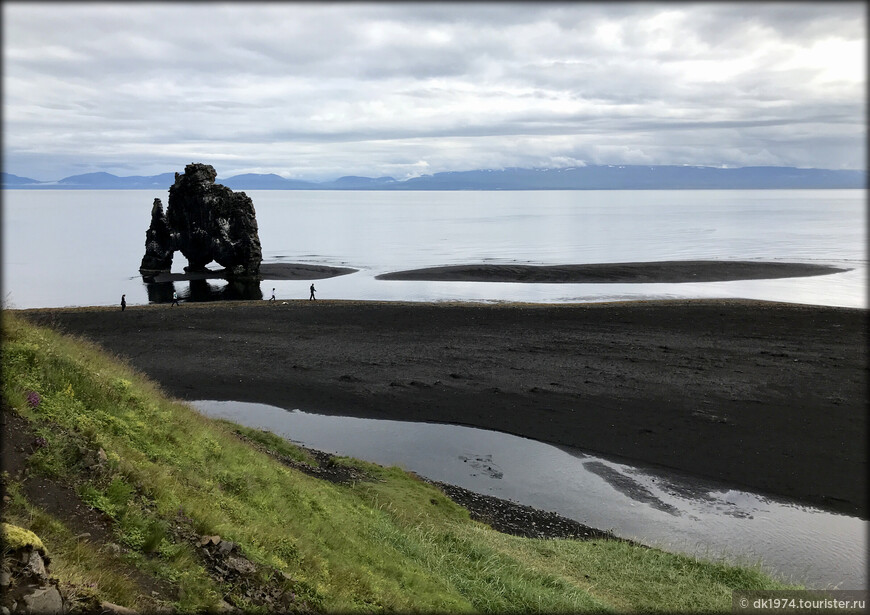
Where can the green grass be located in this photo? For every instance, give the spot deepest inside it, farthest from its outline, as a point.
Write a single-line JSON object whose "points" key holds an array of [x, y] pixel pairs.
{"points": [[274, 444], [89, 574], [390, 544]]}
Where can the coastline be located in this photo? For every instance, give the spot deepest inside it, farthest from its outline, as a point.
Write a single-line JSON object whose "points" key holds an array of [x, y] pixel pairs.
{"points": [[657, 272], [765, 396]]}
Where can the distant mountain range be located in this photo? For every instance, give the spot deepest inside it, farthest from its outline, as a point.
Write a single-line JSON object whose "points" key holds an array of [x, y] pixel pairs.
{"points": [[93, 181], [597, 177]]}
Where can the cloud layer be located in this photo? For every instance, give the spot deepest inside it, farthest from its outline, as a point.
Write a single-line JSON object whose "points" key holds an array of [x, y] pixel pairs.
{"points": [[315, 91]]}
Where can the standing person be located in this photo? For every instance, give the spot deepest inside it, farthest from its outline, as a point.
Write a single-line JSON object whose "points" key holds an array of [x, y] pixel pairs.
{"points": [[123, 302], [273, 295], [174, 299], [312, 298]]}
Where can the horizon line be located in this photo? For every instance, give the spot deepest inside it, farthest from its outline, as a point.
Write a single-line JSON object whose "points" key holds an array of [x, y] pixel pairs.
{"points": [[387, 177]]}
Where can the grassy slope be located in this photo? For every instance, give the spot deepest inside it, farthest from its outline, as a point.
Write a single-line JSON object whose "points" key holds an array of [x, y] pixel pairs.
{"points": [[393, 543]]}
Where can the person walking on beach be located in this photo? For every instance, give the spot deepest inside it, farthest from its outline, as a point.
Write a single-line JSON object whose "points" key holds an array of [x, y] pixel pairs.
{"points": [[123, 302], [174, 298], [312, 298], [273, 295]]}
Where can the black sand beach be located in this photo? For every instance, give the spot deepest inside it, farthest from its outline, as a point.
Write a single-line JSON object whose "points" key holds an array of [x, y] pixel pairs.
{"points": [[764, 396], [659, 272]]}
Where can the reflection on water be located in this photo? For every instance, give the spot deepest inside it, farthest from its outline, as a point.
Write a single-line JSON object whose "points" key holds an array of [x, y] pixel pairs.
{"points": [[667, 509], [483, 464], [201, 290], [629, 487], [159, 292]]}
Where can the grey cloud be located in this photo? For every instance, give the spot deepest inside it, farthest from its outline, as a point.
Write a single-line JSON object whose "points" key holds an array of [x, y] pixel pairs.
{"points": [[432, 82], [721, 22]]}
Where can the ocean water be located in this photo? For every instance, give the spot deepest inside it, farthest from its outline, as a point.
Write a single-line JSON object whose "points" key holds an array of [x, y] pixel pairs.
{"points": [[83, 247]]}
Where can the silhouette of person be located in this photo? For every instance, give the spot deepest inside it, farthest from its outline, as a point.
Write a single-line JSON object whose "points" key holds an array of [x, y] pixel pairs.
{"points": [[273, 295], [174, 298], [312, 298], [123, 302]]}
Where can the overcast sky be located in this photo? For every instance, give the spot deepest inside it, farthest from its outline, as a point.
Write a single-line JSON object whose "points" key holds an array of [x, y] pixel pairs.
{"points": [[317, 91]]}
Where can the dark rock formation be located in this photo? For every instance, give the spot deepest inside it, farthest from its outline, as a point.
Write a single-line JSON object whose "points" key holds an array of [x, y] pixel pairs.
{"points": [[25, 583], [158, 242], [226, 564], [213, 223], [206, 222]]}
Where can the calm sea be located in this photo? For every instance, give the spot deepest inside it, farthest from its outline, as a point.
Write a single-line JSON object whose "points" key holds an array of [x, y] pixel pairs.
{"points": [[77, 247]]}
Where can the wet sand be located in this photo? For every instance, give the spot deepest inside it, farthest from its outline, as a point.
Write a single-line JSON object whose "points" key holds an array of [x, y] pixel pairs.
{"points": [[268, 271], [764, 396], [660, 272]]}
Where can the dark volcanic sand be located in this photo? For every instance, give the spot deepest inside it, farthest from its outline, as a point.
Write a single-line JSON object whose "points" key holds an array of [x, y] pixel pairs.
{"points": [[268, 271], [764, 396], [670, 272]]}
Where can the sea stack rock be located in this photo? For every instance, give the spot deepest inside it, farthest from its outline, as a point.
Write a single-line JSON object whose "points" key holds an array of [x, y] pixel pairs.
{"points": [[158, 242], [206, 222]]}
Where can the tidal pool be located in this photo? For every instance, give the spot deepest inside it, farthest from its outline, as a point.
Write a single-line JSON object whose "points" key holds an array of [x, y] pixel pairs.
{"points": [[657, 507]]}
